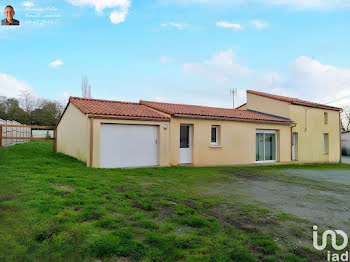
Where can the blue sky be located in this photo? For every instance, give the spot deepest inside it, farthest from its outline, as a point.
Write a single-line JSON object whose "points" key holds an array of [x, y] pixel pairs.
{"points": [[180, 51]]}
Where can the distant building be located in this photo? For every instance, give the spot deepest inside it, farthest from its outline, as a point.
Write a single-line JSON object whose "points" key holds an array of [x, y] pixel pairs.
{"points": [[345, 143]]}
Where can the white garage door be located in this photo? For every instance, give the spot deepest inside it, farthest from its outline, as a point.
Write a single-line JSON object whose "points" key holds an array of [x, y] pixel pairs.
{"points": [[128, 146]]}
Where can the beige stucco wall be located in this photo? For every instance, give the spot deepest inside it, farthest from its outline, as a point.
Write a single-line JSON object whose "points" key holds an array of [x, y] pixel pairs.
{"points": [[310, 128], [267, 105], [73, 134], [237, 141], [163, 138], [310, 140]]}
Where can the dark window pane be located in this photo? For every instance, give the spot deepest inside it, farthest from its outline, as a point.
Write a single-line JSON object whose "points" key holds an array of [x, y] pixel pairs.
{"points": [[270, 147], [184, 136], [213, 135], [259, 147]]}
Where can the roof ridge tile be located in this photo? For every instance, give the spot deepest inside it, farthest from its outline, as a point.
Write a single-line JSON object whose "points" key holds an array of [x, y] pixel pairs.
{"points": [[225, 108], [101, 100]]}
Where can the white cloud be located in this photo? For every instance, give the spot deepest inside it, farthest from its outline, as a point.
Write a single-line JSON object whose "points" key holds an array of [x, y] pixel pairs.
{"points": [[28, 4], [165, 59], [322, 81], [56, 63], [259, 24], [307, 79], [158, 99], [172, 24], [12, 87], [63, 97], [100, 5], [116, 16], [222, 67], [310, 80], [229, 25]]}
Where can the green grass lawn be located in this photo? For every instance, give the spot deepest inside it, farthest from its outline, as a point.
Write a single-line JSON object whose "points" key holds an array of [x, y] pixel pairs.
{"points": [[54, 208]]}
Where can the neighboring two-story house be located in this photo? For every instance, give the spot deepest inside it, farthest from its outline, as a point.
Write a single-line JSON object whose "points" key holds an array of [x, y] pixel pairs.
{"points": [[316, 135]]}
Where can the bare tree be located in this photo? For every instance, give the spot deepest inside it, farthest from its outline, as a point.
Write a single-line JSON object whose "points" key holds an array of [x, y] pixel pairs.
{"points": [[85, 88], [345, 119], [27, 101]]}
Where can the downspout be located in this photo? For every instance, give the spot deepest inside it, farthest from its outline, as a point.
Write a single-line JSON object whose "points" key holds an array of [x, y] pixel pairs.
{"points": [[91, 141], [305, 119], [291, 141]]}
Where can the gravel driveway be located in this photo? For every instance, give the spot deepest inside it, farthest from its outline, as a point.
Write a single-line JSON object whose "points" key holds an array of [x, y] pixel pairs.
{"points": [[322, 197]]}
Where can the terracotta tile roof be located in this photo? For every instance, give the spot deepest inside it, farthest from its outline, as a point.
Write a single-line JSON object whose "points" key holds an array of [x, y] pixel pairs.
{"points": [[182, 110], [293, 100], [114, 108]]}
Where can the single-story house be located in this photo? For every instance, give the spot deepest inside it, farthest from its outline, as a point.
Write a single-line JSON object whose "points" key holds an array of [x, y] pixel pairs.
{"points": [[111, 134], [345, 143]]}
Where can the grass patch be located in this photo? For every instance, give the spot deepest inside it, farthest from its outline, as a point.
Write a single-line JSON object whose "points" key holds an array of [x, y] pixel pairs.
{"points": [[54, 208]]}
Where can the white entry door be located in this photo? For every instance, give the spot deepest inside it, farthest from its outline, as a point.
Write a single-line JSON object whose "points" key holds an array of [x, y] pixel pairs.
{"points": [[128, 145], [185, 144]]}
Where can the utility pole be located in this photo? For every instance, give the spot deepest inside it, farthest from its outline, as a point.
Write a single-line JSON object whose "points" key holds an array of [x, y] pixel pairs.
{"points": [[233, 93]]}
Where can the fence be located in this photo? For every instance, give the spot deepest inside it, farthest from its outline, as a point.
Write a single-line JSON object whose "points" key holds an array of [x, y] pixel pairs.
{"points": [[16, 132], [12, 132], [43, 133]]}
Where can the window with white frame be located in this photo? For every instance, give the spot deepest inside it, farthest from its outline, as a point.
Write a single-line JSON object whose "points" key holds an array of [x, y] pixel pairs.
{"points": [[215, 135], [266, 146]]}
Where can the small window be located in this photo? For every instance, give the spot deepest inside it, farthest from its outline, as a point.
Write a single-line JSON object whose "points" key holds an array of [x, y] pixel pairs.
{"points": [[184, 136], [325, 144], [325, 118], [215, 135]]}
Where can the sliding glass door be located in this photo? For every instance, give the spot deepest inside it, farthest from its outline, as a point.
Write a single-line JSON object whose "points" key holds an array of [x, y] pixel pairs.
{"points": [[266, 146]]}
